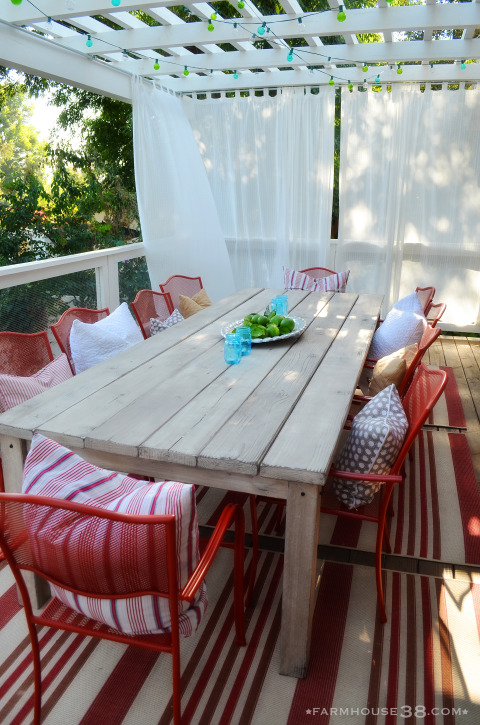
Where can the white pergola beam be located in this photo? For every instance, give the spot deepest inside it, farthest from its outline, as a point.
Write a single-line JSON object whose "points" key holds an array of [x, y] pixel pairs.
{"points": [[395, 19], [195, 83], [30, 53], [446, 50]]}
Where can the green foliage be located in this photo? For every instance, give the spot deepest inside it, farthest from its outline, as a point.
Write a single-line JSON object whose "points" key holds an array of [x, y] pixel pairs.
{"points": [[21, 153]]}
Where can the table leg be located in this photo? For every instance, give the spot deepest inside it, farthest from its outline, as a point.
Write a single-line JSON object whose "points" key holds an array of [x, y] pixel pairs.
{"points": [[13, 451], [299, 577]]}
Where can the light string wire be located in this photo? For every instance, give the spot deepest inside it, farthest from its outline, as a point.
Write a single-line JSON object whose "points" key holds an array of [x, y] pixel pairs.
{"points": [[296, 52]]}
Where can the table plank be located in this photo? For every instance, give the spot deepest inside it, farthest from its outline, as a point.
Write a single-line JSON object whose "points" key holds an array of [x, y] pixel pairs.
{"points": [[188, 432], [243, 441], [305, 446], [32, 414]]}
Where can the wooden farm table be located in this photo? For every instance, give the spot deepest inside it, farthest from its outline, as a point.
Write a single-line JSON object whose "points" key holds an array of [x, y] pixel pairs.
{"points": [[170, 407]]}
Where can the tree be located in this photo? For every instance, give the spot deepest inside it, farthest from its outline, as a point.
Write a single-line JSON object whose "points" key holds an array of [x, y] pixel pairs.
{"points": [[21, 152]]}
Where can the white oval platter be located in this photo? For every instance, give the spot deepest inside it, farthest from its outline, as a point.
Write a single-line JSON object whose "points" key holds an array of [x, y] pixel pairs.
{"points": [[300, 326]]}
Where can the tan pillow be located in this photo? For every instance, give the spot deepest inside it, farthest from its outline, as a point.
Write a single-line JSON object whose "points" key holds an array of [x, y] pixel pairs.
{"points": [[392, 368], [190, 305]]}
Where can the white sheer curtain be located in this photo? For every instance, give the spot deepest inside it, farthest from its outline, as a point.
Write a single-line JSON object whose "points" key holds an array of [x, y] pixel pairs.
{"points": [[180, 226], [410, 196], [270, 165]]}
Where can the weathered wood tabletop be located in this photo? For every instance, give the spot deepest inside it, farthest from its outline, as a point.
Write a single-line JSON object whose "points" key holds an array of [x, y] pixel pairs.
{"points": [[171, 407]]}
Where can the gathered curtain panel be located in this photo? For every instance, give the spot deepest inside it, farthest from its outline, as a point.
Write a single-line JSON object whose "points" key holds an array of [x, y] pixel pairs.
{"points": [[410, 196], [269, 160], [180, 225]]}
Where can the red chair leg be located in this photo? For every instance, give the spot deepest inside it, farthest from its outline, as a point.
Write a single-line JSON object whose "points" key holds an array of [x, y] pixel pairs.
{"points": [[238, 577]]}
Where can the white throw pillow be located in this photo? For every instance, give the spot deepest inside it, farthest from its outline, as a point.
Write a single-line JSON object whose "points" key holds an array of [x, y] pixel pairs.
{"points": [[92, 343], [15, 389], [399, 329], [410, 303]]}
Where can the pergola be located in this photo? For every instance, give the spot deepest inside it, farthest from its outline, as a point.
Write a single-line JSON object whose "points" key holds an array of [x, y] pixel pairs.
{"points": [[97, 45]]}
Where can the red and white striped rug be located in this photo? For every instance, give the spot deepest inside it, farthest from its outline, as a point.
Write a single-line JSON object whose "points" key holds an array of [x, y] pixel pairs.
{"points": [[421, 666]]}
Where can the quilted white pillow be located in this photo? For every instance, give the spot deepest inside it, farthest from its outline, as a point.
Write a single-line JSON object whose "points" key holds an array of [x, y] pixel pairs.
{"points": [[52, 470], [15, 389], [300, 280], [410, 303], [92, 343], [374, 442], [399, 329], [157, 325]]}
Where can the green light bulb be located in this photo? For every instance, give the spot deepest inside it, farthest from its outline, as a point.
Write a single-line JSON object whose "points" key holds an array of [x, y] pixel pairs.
{"points": [[399, 70], [186, 71], [156, 65], [365, 68], [213, 16], [16, 2], [331, 82], [241, 4], [341, 15], [210, 27]]}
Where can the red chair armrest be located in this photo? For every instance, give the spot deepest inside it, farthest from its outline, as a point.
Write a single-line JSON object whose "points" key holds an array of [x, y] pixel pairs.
{"points": [[373, 477], [230, 512]]}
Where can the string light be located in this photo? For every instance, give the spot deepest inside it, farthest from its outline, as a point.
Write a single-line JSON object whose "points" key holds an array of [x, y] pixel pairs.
{"points": [[241, 4], [16, 2], [261, 28], [331, 82], [399, 69], [156, 65], [235, 75], [377, 79], [462, 65], [186, 71], [89, 42], [350, 86], [210, 26], [341, 15], [115, 3], [213, 16], [365, 68], [290, 55]]}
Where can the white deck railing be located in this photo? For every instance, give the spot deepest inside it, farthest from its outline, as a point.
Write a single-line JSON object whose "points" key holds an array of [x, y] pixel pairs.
{"points": [[104, 262]]}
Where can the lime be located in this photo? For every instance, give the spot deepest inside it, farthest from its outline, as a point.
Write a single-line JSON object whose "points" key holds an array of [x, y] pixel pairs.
{"points": [[258, 331], [277, 319], [286, 325], [254, 319], [247, 322], [261, 320], [272, 330]]}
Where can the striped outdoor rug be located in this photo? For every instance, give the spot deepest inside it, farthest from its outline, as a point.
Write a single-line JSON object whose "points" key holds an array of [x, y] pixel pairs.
{"points": [[422, 666], [448, 412]]}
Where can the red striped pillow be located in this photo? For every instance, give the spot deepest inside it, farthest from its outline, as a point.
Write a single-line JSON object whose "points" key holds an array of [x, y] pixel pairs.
{"points": [[300, 280], [15, 389], [52, 470]]}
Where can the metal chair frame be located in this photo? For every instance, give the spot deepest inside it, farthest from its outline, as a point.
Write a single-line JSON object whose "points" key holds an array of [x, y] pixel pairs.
{"points": [[24, 354], [179, 284], [425, 295], [435, 313], [15, 509], [149, 303], [317, 272]]}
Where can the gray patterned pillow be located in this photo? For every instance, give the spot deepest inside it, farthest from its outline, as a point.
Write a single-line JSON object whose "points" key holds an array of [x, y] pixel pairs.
{"points": [[375, 440], [158, 325]]}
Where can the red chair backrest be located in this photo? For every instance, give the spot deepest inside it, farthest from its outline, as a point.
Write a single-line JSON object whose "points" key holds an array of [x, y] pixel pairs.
{"points": [[317, 272], [154, 572], [425, 295], [24, 354], [428, 338], [61, 329], [426, 387], [149, 304], [178, 284], [435, 313]]}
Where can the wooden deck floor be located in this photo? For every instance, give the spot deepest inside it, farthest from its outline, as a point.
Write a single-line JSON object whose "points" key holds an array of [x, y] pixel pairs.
{"points": [[463, 355]]}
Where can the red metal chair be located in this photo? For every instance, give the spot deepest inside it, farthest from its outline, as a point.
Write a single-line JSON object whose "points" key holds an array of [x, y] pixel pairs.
{"points": [[61, 329], [24, 354], [317, 272], [425, 295], [435, 313], [178, 284], [426, 388], [157, 578], [428, 338], [149, 304]]}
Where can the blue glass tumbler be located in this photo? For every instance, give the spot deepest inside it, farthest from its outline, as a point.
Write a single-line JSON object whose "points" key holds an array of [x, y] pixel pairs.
{"points": [[233, 349], [245, 335], [282, 305]]}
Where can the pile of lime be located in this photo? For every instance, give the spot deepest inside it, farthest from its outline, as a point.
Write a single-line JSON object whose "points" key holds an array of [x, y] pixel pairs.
{"points": [[273, 325]]}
